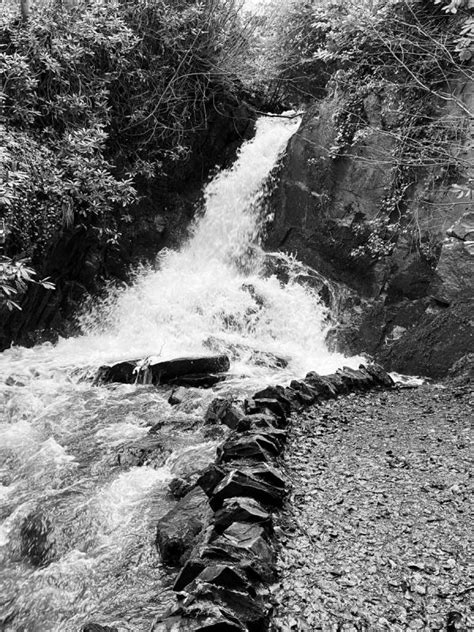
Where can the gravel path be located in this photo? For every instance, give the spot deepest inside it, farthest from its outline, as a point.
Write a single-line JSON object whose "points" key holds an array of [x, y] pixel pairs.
{"points": [[377, 532]]}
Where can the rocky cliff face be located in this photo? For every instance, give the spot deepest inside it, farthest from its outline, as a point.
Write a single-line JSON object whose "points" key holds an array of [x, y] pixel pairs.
{"points": [[401, 257]]}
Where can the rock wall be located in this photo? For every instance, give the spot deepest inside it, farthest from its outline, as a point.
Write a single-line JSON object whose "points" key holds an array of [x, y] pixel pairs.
{"points": [[327, 209]]}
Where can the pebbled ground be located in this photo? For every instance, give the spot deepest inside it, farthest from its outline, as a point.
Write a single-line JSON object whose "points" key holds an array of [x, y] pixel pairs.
{"points": [[377, 532]]}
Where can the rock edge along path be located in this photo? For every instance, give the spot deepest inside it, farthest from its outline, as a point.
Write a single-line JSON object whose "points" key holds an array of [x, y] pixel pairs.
{"points": [[227, 555], [377, 531]]}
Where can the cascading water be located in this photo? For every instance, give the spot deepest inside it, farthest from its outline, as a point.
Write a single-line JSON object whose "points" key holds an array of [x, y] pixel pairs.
{"points": [[91, 518]]}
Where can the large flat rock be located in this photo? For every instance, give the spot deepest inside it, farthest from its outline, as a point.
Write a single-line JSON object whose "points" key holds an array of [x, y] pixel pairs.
{"points": [[132, 371]]}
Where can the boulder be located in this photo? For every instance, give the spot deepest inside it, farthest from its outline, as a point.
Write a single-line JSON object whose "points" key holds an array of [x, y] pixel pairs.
{"points": [[258, 562], [355, 380], [322, 386], [379, 375], [305, 394], [278, 393], [259, 422], [145, 451], [132, 371], [337, 383], [192, 461], [223, 575], [250, 612], [223, 411], [267, 406], [179, 529], [179, 487], [250, 446], [206, 618], [210, 478], [122, 372], [249, 483], [241, 509]]}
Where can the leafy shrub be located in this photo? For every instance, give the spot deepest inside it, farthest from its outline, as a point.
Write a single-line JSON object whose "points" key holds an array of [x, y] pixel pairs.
{"points": [[99, 96]]}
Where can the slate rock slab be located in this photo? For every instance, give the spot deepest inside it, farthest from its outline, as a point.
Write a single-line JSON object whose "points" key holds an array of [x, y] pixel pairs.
{"points": [[241, 483], [179, 529], [241, 510], [129, 372], [251, 446], [224, 411]]}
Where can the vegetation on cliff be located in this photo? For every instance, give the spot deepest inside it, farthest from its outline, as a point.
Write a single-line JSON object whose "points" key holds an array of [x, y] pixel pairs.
{"points": [[102, 100], [98, 99], [408, 62]]}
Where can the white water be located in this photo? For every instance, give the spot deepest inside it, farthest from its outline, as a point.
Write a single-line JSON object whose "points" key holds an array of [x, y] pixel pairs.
{"points": [[59, 437]]}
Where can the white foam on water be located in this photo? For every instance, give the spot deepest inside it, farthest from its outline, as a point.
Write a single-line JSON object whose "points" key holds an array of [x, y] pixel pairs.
{"points": [[118, 502], [57, 434], [214, 285]]}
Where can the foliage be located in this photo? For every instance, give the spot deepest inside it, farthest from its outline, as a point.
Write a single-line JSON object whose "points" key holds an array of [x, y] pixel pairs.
{"points": [[15, 276], [393, 67], [98, 97]]}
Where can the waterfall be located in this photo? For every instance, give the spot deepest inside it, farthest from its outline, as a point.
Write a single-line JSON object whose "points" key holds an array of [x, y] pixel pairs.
{"points": [[59, 436]]}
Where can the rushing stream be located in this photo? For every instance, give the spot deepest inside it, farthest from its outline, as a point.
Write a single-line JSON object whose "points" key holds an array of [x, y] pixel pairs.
{"points": [[76, 524]]}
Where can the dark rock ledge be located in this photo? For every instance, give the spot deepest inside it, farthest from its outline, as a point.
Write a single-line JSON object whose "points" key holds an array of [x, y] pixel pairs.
{"points": [[220, 532]]}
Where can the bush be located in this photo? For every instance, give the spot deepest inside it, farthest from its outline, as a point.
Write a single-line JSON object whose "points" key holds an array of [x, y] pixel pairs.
{"points": [[98, 97]]}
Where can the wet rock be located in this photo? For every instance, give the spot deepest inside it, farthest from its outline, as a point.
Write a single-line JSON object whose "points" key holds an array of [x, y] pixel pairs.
{"points": [[265, 428], [145, 451], [355, 379], [205, 617], [96, 627], [258, 563], [37, 544], [210, 478], [223, 411], [250, 483], [379, 374], [12, 380], [179, 487], [199, 380], [305, 394], [267, 406], [250, 612], [133, 371], [252, 446], [337, 383], [122, 372], [241, 510], [223, 575], [193, 460], [178, 531], [322, 386], [177, 396], [259, 422], [278, 393]]}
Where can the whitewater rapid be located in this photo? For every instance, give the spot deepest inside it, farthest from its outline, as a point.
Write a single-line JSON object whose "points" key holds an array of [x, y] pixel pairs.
{"points": [[215, 285], [60, 435]]}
